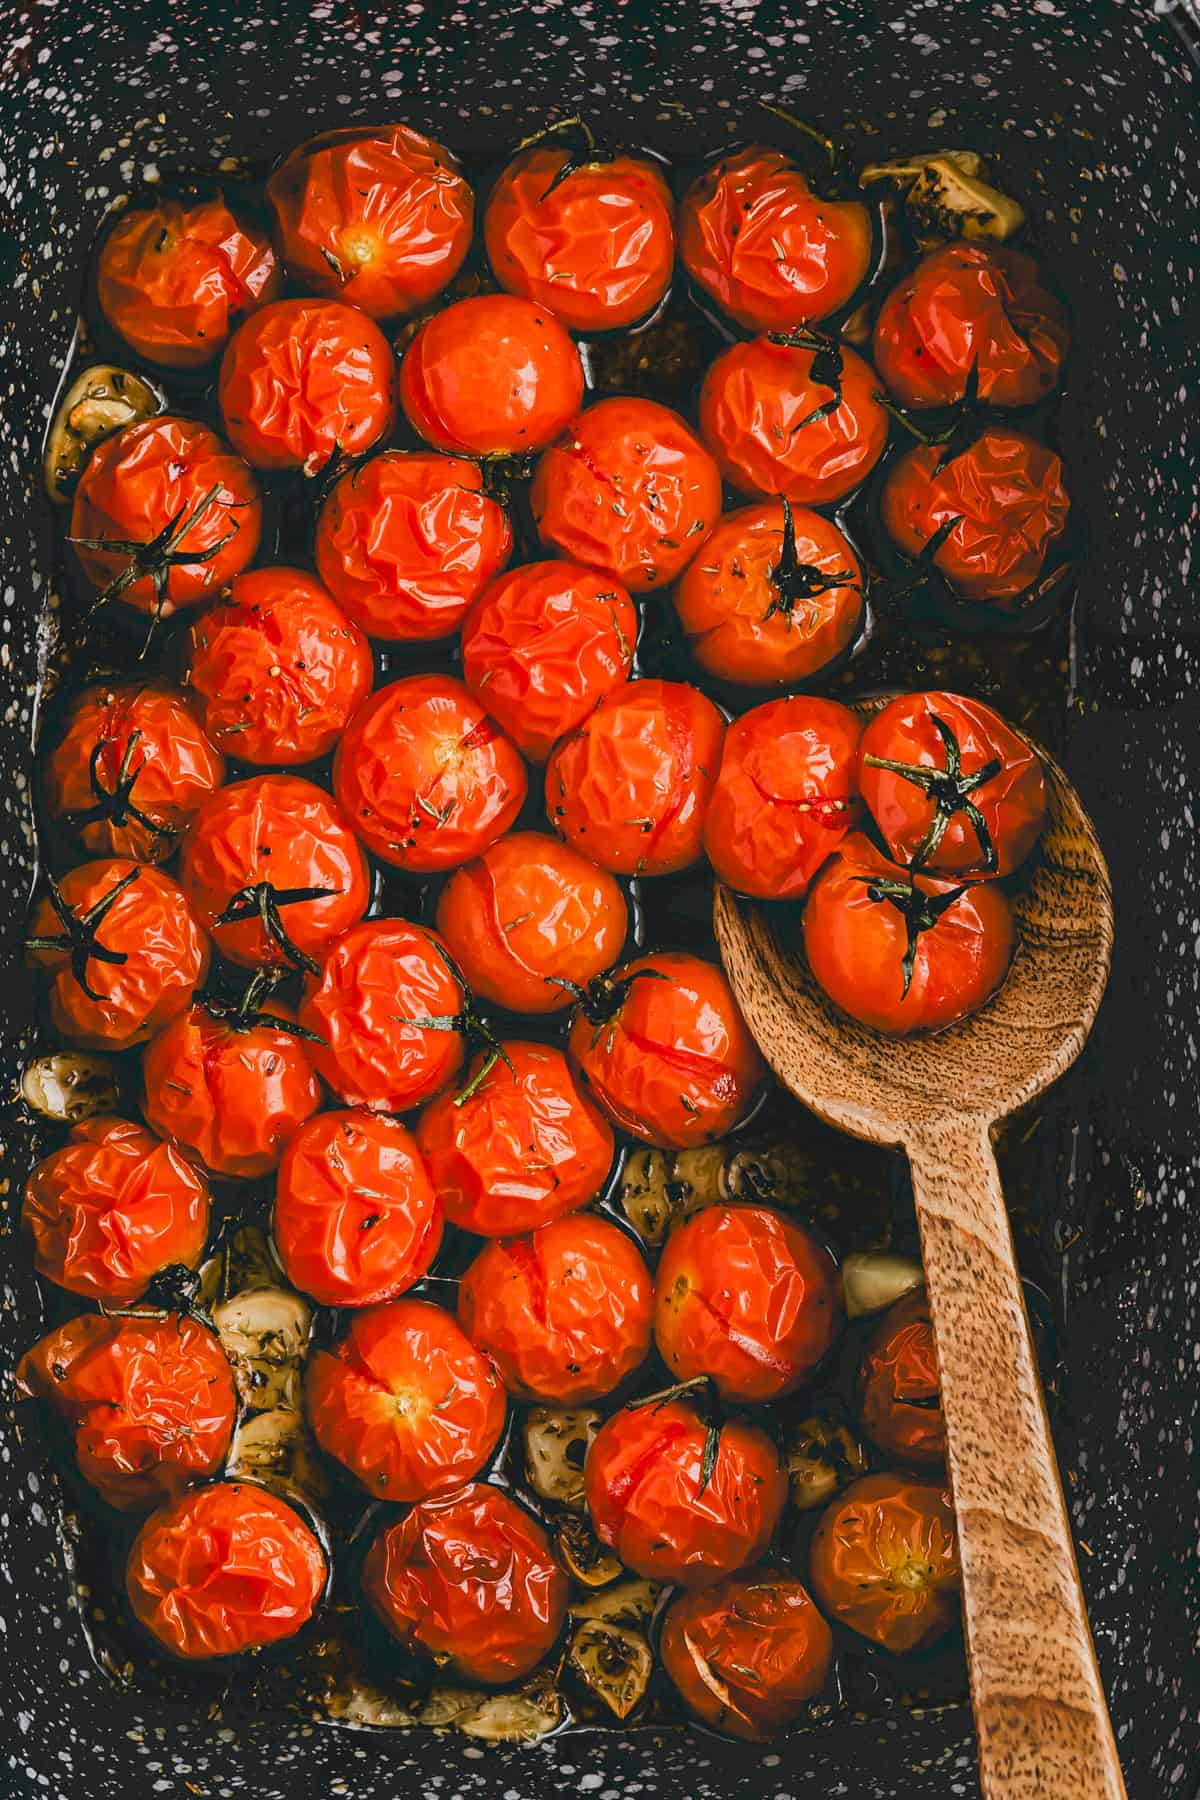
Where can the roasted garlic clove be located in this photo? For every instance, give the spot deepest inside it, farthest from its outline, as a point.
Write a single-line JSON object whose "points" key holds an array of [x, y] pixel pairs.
{"points": [[102, 400], [873, 1280], [557, 1440], [823, 1456], [265, 1333], [614, 1662], [644, 1198], [584, 1555], [521, 1717], [769, 1175], [243, 1259], [353, 1701], [946, 195], [69, 1086], [630, 1603], [276, 1449]]}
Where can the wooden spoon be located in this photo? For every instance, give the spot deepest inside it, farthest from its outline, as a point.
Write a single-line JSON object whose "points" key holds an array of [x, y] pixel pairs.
{"points": [[1040, 1711]]}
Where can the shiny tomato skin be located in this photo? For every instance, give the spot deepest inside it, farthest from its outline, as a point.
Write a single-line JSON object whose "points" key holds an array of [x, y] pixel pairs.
{"points": [[748, 1655], [150, 1402], [898, 1392], [405, 1401], [111, 1209], [965, 305], [786, 794], [223, 1570], [380, 219], [356, 1219], [491, 376], [280, 668], [523, 1148], [884, 1561], [406, 543], [470, 1579], [629, 490], [543, 645]]}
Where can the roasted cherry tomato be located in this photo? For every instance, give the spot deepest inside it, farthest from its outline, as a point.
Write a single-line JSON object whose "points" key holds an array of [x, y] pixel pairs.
{"points": [[884, 1561], [898, 1393], [543, 645], [226, 1569], [356, 1217], [491, 376], [519, 1147], [663, 1047], [470, 1579], [381, 219], [305, 380], [679, 1500], [124, 951], [786, 794], [748, 1298], [131, 769], [776, 596], [783, 417], [174, 280], [150, 1402], [111, 1209], [280, 667], [951, 787], [748, 1655], [165, 515], [630, 786], [964, 309], [628, 490], [405, 1401], [273, 869], [406, 542], [770, 252], [904, 952], [426, 778]]}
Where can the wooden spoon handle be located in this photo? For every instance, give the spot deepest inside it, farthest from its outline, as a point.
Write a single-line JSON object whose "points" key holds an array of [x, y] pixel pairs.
{"points": [[1040, 1711]]}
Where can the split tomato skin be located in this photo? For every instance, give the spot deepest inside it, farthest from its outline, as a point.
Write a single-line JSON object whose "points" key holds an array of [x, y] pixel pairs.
{"points": [[899, 1397], [884, 1561], [491, 376]]}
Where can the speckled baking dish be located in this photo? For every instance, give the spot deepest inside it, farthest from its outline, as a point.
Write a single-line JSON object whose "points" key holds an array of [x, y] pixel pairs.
{"points": [[1093, 111]]}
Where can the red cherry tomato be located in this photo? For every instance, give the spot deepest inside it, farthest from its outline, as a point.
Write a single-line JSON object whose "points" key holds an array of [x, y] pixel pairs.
{"points": [[111, 1209], [174, 280], [226, 1569], [965, 307], [303, 380], [425, 776], [491, 376], [664, 1049], [356, 1217], [543, 645], [884, 1561], [405, 1402], [150, 1402], [381, 219], [280, 668], [748, 1655], [786, 794], [898, 1393], [521, 1146], [470, 1579], [629, 490], [630, 786], [406, 542]]}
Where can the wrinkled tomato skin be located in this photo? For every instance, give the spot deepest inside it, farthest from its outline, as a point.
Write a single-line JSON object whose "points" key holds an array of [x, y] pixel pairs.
{"points": [[964, 305], [856, 945], [738, 625], [543, 645], [175, 280], [154, 732], [674, 1064], [111, 1209], [380, 219], [139, 481], [898, 1391], [303, 380], [748, 1298], [748, 1655], [524, 1148], [596, 246], [564, 1313], [406, 543], [356, 1218], [630, 785], [280, 668], [643, 1483], [629, 490], [786, 794], [405, 1401], [227, 1569], [425, 776], [491, 376], [884, 1561], [150, 1402], [759, 243]]}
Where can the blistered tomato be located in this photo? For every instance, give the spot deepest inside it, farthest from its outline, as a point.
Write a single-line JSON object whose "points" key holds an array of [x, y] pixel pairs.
{"points": [[491, 376], [884, 1561], [898, 1394], [748, 1655]]}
